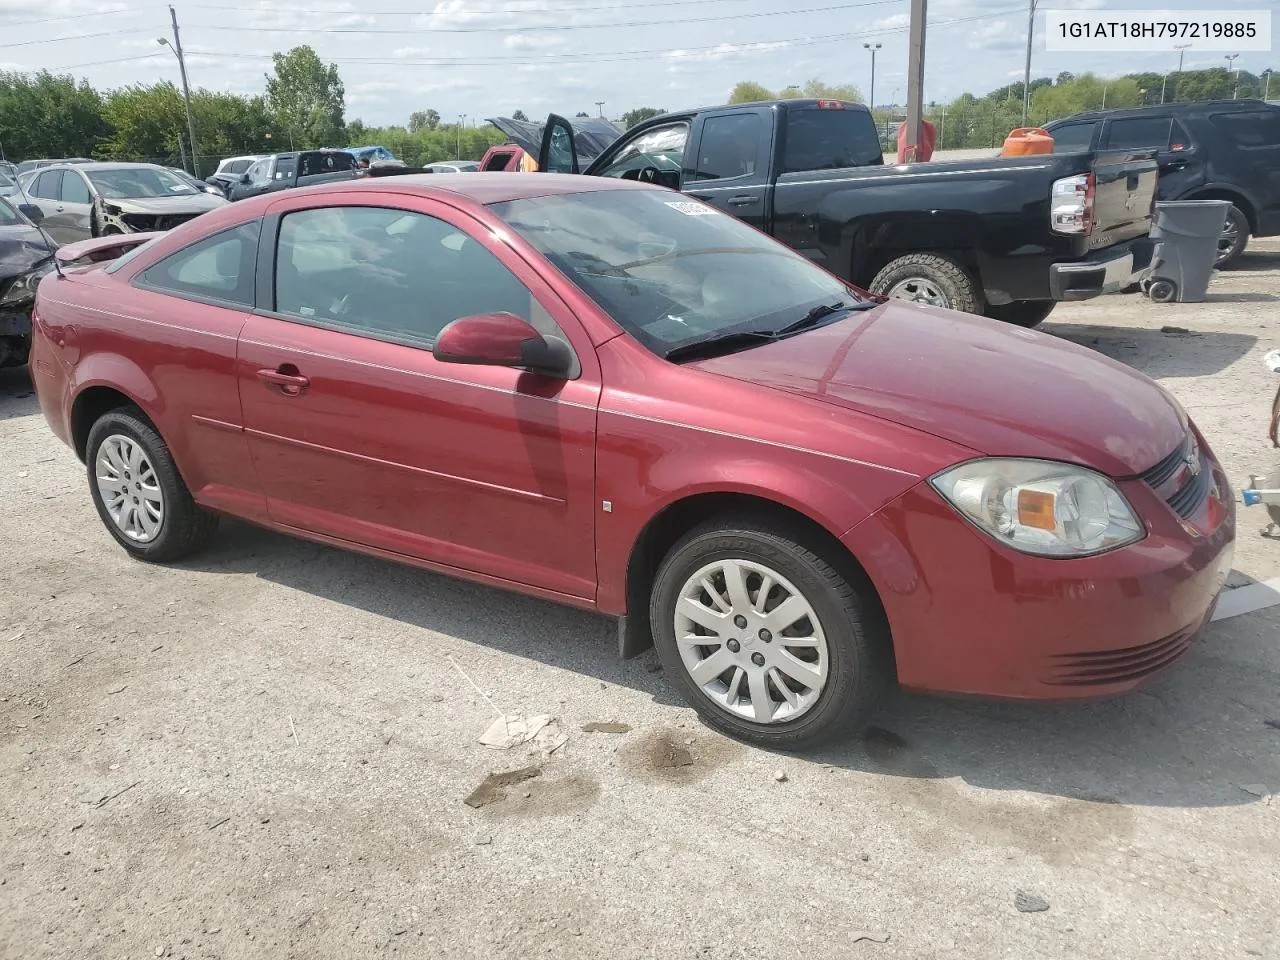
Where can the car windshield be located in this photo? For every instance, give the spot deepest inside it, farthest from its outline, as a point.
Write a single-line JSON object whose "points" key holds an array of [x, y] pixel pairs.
{"points": [[8, 216], [137, 182], [6, 180], [672, 272]]}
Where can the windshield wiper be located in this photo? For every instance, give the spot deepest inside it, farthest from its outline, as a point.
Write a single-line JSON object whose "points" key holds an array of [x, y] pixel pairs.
{"points": [[822, 312], [720, 344]]}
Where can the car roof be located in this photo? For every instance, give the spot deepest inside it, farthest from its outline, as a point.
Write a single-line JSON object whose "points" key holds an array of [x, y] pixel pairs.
{"points": [[106, 165], [1203, 106], [483, 188]]}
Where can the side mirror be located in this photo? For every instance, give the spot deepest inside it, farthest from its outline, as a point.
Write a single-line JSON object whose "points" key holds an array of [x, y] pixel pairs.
{"points": [[31, 212], [502, 340], [244, 178]]}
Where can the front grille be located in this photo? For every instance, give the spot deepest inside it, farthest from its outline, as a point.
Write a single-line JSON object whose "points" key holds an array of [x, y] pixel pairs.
{"points": [[176, 220], [1100, 667], [1183, 478]]}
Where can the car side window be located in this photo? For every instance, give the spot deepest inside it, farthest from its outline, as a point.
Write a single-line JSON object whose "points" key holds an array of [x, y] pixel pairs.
{"points": [[1073, 137], [74, 189], [1249, 129], [258, 173], [285, 167], [1139, 132], [48, 185], [392, 274], [661, 148], [729, 146], [218, 268]]}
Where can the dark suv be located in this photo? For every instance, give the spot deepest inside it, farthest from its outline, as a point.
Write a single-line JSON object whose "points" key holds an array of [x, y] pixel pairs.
{"points": [[1219, 150]]}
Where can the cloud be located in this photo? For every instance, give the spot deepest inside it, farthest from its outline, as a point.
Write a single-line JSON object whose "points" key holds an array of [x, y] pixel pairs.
{"points": [[531, 41], [723, 51]]}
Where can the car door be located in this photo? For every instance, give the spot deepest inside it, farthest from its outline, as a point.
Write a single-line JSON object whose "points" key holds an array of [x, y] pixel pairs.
{"points": [[1248, 158], [255, 180], [45, 192], [558, 153], [1182, 163], [360, 435], [731, 163], [74, 212]]}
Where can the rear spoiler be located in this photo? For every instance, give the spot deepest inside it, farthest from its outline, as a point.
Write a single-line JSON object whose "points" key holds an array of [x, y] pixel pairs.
{"points": [[102, 249]]}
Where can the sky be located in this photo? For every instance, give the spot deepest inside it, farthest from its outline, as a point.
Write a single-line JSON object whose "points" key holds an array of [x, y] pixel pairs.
{"points": [[486, 58]]}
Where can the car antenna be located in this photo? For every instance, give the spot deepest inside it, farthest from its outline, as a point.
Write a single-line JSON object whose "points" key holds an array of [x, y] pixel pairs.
{"points": [[53, 244]]}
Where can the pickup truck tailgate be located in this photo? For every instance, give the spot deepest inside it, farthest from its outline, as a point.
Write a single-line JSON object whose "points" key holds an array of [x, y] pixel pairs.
{"points": [[1124, 195]]}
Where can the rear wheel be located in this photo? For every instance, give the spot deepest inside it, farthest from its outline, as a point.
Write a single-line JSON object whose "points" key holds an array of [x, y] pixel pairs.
{"points": [[765, 638], [1024, 313], [929, 278], [140, 496], [1234, 237]]}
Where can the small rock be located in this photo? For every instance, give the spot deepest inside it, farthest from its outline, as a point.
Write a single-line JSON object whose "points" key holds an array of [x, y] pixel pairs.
{"points": [[159, 951], [1272, 723], [1030, 902], [436, 698], [597, 726], [865, 857], [780, 776], [652, 668], [528, 794], [603, 685], [483, 840]]}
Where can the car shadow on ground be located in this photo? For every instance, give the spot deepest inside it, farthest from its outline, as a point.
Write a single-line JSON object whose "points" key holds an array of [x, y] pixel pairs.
{"points": [[1197, 736], [1254, 261], [1173, 351]]}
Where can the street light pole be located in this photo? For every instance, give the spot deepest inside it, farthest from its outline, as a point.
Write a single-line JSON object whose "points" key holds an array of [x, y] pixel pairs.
{"points": [[1026, 72], [462, 118], [873, 47], [176, 47], [600, 107], [1231, 65], [1266, 94], [1182, 49]]}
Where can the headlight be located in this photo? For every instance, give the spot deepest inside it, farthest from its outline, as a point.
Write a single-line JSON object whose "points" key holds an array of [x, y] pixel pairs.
{"points": [[1041, 507], [24, 287]]}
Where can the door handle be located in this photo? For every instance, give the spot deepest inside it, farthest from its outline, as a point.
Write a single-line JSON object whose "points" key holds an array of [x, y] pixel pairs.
{"points": [[286, 379], [58, 209], [743, 201], [1176, 165]]}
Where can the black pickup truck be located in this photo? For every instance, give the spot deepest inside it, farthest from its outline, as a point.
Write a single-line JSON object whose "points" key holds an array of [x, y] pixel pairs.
{"points": [[284, 171], [1007, 237]]}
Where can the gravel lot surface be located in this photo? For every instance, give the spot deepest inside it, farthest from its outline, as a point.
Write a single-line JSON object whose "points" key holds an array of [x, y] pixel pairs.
{"points": [[264, 753]]}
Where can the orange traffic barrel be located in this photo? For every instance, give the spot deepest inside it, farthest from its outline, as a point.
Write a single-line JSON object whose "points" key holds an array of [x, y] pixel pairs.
{"points": [[1026, 142]]}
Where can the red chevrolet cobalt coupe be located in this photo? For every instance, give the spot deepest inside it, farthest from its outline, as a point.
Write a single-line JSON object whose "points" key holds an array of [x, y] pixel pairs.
{"points": [[602, 393]]}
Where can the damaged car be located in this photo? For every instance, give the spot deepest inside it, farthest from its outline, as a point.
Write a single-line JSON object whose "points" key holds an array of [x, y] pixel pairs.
{"points": [[26, 255], [87, 200]]}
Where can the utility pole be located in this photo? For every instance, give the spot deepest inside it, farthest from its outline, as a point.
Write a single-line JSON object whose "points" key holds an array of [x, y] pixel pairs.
{"points": [[1231, 65], [1182, 49], [600, 107], [1266, 95], [915, 79], [462, 118], [873, 47], [1026, 70], [176, 47]]}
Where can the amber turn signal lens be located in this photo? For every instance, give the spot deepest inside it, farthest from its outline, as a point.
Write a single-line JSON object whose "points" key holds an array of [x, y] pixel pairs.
{"points": [[1035, 509]]}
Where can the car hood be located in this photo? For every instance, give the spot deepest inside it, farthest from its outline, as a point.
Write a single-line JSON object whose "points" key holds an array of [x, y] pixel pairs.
{"points": [[997, 389], [165, 206], [21, 248]]}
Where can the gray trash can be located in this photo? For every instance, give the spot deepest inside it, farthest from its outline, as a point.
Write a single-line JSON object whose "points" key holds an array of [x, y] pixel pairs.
{"points": [[1188, 232]]}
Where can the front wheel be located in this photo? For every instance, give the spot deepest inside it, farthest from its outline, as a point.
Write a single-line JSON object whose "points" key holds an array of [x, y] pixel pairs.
{"points": [[1023, 313], [765, 638]]}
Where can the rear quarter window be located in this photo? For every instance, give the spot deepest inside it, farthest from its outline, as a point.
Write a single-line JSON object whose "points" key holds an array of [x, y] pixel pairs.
{"points": [[1249, 129], [820, 139]]}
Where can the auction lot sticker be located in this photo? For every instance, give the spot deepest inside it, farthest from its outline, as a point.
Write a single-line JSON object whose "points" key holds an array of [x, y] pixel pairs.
{"points": [[691, 209], [1128, 31]]}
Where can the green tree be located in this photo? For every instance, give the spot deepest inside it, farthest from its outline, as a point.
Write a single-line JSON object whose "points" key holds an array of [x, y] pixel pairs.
{"points": [[581, 113], [817, 90], [640, 115], [749, 91], [307, 99], [43, 115], [423, 120], [519, 115]]}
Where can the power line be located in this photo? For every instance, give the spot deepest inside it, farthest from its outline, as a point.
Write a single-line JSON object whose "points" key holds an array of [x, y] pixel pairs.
{"points": [[512, 12], [79, 36], [99, 63], [554, 26], [73, 16]]}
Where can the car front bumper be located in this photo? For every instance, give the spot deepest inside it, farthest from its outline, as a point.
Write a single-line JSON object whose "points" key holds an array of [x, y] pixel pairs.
{"points": [[1108, 271], [971, 616]]}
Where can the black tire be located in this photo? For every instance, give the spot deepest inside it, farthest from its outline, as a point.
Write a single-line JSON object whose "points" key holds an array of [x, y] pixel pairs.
{"points": [[858, 646], [1023, 313], [1162, 291], [948, 277], [1235, 237], [184, 526]]}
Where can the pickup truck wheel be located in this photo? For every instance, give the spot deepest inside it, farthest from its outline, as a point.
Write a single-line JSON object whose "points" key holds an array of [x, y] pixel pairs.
{"points": [[1024, 313], [765, 638], [929, 278], [1234, 237], [138, 491]]}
